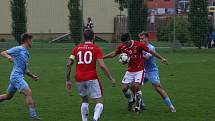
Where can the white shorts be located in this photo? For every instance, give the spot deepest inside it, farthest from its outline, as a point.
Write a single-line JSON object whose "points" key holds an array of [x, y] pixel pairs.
{"points": [[91, 88], [132, 77]]}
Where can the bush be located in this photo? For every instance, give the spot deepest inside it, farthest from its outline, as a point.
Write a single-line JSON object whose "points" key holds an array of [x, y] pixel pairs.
{"points": [[19, 18], [166, 29], [75, 20]]}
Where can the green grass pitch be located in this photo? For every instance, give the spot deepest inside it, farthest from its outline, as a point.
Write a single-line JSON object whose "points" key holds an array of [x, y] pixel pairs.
{"points": [[189, 80]]}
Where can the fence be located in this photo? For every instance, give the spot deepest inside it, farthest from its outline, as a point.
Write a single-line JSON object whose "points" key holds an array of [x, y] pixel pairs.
{"points": [[166, 21]]}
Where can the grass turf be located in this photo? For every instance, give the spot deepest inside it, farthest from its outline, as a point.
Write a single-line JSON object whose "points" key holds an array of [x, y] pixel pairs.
{"points": [[188, 79]]}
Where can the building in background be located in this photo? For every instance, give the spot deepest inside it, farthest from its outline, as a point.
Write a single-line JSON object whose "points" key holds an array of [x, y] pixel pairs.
{"points": [[183, 6], [161, 7], [49, 18]]}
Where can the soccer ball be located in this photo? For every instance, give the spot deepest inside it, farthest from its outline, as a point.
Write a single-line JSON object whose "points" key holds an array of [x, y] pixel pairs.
{"points": [[123, 58]]}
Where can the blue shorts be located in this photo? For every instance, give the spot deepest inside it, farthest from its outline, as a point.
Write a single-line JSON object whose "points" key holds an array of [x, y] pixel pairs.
{"points": [[17, 84], [153, 77]]}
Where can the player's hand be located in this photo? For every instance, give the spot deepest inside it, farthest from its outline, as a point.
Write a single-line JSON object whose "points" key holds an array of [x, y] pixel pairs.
{"points": [[10, 59], [69, 87], [35, 77], [113, 82], [164, 61]]}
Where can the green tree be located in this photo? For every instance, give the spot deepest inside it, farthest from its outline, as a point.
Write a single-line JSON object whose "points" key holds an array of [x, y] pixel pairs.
{"points": [[199, 24], [165, 29], [137, 17], [19, 19], [75, 20]]}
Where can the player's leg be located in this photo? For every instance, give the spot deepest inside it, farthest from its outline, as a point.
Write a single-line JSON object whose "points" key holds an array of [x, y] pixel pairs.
{"points": [[164, 96], [82, 89], [128, 79], [95, 92], [6, 96], [139, 76], [129, 95], [98, 109], [138, 95], [154, 77], [11, 90], [23, 87], [84, 108], [29, 101]]}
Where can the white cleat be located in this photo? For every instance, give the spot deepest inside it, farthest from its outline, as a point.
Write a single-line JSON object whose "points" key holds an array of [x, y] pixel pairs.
{"points": [[172, 109]]}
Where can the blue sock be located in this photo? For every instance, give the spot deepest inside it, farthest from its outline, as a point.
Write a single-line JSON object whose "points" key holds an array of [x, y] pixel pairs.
{"points": [[168, 101], [32, 112]]}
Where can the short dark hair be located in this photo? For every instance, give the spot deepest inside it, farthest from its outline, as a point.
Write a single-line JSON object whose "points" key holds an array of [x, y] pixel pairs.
{"points": [[125, 37], [88, 35], [25, 37]]}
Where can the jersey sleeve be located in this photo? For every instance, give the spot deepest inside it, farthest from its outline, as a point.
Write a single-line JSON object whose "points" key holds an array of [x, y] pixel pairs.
{"points": [[13, 51], [99, 53], [72, 56], [119, 50], [153, 49], [145, 48]]}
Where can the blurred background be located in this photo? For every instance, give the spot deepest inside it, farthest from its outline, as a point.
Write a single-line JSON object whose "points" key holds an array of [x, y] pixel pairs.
{"points": [[170, 23]]}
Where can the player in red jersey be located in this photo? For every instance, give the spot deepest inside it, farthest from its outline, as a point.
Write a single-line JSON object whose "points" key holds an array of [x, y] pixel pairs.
{"points": [[135, 74], [86, 56]]}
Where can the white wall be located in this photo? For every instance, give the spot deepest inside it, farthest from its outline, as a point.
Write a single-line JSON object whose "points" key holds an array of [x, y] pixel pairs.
{"points": [[51, 16]]}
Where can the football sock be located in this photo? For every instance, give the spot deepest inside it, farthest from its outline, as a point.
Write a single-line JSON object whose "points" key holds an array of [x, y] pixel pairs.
{"points": [[97, 111], [138, 98], [142, 101], [128, 94], [32, 112], [84, 111], [168, 101]]}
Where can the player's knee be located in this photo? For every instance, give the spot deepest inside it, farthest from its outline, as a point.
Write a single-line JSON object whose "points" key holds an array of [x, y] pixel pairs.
{"points": [[136, 87], [85, 99], [8, 97], [99, 100], [124, 89], [28, 92], [157, 86]]}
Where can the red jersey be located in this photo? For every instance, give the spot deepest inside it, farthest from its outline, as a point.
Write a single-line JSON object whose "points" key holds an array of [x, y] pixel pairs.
{"points": [[135, 52], [86, 56]]}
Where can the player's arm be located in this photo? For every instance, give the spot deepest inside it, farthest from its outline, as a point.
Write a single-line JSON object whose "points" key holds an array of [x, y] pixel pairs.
{"points": [[162, 59], [146, 55], [68, 73], [114, 53], [106, 71], [110, 55], [31, 75], [157, 55], [6, 55]]}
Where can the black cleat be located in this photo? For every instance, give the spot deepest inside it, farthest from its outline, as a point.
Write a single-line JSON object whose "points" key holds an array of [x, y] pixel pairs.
{"points": [[137, 109], [35, 118]]}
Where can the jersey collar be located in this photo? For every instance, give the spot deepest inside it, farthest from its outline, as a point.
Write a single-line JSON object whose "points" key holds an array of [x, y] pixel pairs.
{"points": [[88, 43], [132, 43]]}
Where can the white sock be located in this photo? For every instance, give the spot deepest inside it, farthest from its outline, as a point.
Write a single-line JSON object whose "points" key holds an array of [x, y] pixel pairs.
{"points": [[138, 97], [84, 111], [97, 111]]}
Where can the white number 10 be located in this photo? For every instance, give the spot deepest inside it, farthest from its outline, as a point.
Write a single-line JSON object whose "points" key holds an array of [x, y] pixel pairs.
{"points": [[86, 54]]}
